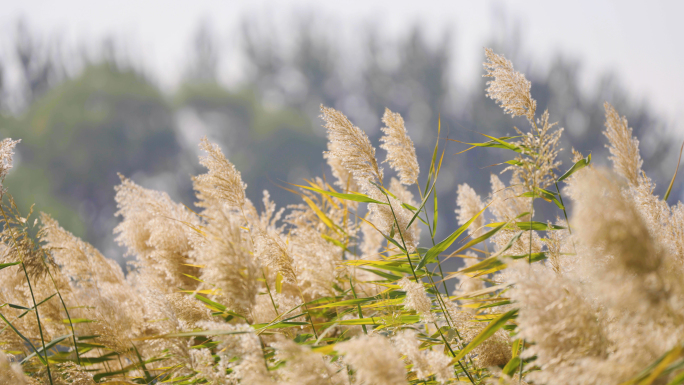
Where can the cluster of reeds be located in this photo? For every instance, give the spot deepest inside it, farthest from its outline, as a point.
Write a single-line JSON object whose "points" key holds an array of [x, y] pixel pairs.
{"points": [[339, 290]]}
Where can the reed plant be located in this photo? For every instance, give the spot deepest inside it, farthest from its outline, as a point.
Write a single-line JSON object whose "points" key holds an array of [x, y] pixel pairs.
{"points": [[339, 289]]}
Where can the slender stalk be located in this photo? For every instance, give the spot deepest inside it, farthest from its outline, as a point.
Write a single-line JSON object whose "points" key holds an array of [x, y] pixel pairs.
{"points": [[269, 292], [40, 328]]}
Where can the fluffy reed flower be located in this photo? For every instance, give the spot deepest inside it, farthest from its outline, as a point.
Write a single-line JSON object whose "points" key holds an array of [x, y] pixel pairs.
{"points": [[73, 374], [416, 298], [222, 181], [19, 244], [467, 284], [203, 362], [316, 262], [343, 178], [562, 325], [306, 367], [426, 362], [11, 372], [506, 203], [372, 241], [494, 351], [609, 223], [159, 231], [188, 311], [624, 149], [272, 253], [226, 260], [374, 359], [6, 154], [537, 160], [250, 368], [509, 87], [401, 154], [351, 147], [78, 260], [469, 204]]}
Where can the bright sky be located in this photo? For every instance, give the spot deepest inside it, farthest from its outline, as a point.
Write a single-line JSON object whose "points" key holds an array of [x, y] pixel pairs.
{"points": [[643, 42]]}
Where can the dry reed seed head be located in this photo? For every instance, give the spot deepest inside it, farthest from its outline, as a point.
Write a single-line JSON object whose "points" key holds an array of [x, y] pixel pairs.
{"points": [[316, 262], [222, 182], [506, 201], [374, 360], [343, 178], [509, 88], [372, 242], [20, 247], [624, 149], [306, 367], [263, 311], [417, 299], [562, 325], [537, 160], [351, 147], [189, 311], [270, 215], [469, 204], [560, 248], [6, 156], [159, 231], [494, 351], [203, 362], [606, 221], [272, 253], [78, 260], [401, 154], [465, 284], [227, 262], [72, 374], [11, 372], [528, 241], [250, 368], [425, 362]]}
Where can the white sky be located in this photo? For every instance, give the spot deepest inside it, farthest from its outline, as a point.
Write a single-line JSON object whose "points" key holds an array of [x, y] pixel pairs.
{"points": [[643, 42]]}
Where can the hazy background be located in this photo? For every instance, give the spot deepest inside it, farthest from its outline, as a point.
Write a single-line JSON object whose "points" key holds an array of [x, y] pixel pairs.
{"points": [[94, 89]]}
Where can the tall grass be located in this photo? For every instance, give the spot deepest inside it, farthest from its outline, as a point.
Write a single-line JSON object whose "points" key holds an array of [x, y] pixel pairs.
{"points": [[318, 293]]}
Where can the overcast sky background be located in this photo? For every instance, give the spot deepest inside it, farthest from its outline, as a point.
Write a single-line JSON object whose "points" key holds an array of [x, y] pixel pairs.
{"points": [[642, 42]]}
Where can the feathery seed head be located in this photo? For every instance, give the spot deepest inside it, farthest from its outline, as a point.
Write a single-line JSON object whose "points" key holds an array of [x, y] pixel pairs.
{"points": [[426, 362], [222, 182], [509, 87], [374, 359], [228, 263], [6, 154], [624, 149], [351, 147], [469, 204], [416, 298], [401, 154]]}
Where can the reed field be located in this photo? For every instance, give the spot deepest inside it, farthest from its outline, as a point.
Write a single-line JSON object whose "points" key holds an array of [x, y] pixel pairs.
{"points": [[349, 286]]}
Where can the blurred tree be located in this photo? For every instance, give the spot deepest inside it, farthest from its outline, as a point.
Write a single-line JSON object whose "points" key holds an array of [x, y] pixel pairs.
{"points": [[204, 57], [80, 134], [39, 64]]}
